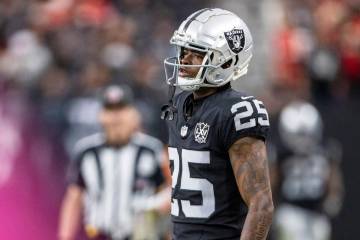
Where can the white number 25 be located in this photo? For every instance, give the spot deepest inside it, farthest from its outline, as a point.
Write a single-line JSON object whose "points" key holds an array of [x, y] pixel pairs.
{"points": [[248, 112], [188, 183]]}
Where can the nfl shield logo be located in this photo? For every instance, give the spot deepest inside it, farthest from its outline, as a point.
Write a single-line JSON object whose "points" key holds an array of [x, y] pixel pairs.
{"points": [[235, 39], [201, 132], [183, 131]]}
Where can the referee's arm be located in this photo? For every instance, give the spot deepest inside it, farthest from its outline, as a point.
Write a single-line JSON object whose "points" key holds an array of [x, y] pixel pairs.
{"points": [[165, 188], [71, 213]]}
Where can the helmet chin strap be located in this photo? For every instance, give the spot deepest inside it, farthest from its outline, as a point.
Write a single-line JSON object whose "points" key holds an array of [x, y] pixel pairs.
{"points": [[168, 110]]}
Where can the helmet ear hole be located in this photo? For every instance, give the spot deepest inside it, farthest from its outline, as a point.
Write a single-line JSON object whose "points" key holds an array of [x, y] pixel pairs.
{"points": [[227, 64]]}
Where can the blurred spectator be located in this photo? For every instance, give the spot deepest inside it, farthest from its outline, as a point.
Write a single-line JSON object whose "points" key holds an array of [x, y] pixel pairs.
{"points": [[315, 51], [292, 44], [306, 174], [350, 53], [115, 177], [52, 14], [118, 37], [25, 58], [323, 64], [148, 94], [52, 95], [13, 17], [83, 109]]}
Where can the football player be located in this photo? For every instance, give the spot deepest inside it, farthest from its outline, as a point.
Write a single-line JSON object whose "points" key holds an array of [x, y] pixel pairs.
{"points": [[308, 186], [220, 179]]}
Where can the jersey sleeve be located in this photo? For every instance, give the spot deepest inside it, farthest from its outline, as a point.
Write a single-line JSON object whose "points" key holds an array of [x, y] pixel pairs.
{"points": [[244, 117], [158, 176], [74, 175], [150, 158]]}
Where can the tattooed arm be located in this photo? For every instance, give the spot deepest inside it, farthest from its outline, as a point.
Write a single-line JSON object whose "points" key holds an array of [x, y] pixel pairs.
{"points": [[249, 163]]}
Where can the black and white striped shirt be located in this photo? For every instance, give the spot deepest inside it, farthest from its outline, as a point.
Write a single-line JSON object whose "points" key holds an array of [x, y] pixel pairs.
{"points": [[114, 178]]}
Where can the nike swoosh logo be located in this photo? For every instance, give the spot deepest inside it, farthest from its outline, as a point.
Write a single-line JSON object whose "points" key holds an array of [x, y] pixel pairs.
{"points": [[244, 98]]}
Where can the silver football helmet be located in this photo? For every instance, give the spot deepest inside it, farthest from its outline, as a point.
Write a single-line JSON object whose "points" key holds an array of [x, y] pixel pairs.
{"points": [[225, 41], [300, 126]]}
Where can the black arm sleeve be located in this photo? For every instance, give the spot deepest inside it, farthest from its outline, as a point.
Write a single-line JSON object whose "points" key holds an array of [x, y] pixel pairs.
{"points": [[74, 175]]}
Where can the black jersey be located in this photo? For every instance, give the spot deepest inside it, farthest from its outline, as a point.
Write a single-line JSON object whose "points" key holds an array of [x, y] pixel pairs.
{"points": [[206, 203], [304, 177]]}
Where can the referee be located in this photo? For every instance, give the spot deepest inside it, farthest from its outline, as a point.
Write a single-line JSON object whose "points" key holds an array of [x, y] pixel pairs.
{"points": [[114, 175]]}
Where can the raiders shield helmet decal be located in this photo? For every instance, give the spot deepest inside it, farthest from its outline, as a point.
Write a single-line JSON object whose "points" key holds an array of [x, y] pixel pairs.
{"points": [[235, 39]]}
